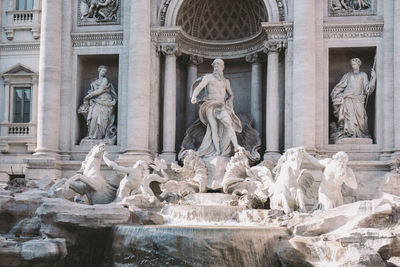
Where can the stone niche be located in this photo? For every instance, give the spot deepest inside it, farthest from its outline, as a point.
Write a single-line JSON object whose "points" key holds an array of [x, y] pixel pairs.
{"points": [[87, 72], [339, 65], [238, 71]]}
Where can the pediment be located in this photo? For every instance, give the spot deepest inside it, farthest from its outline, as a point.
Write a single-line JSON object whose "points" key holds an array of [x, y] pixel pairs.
{"points": [[19, 69]]}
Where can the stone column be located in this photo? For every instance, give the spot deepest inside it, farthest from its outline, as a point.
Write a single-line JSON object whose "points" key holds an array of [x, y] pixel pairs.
{"points": [[155, 111], [49, 79], [272, 48], [396, 71], [256, 90], [304, 73], [34, 99], [6, 118], [386, 53], [190, 111], [169, 116], [139, 76]]}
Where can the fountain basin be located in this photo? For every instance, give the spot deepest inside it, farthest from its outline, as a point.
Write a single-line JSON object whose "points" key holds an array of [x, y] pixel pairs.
{"points": [[197, 245]]}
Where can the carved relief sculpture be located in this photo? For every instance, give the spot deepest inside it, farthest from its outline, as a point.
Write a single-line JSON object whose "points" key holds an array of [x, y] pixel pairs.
{"points": [[349, 103], [98, 109], [216, 112], [351, 7], [335, 173], [92, 12]]}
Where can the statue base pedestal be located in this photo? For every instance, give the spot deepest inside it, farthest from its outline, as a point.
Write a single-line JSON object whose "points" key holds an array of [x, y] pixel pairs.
{"points": [[39, 167], [94, 142], [344, 141], [216, 166]]}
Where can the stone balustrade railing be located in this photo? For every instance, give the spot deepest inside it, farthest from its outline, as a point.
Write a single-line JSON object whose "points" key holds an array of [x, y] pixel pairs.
{"points": [[17, 130], [22, 17], [22, 20]]}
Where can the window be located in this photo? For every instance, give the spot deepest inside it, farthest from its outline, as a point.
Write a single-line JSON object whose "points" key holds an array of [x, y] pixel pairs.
{"points": [[22, 104], [24, 4]]}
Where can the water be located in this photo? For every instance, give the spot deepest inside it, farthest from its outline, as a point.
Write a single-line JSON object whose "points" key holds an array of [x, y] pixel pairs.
{"points": [[197, 245]]}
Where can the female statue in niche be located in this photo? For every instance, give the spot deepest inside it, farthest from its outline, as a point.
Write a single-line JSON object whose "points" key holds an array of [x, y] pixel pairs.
{"points": [[98, 108], [348, 98]]}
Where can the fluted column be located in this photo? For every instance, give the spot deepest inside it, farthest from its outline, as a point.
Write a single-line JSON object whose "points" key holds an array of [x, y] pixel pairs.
{"points": [[138, 93], [169, 116], [272, 48], [388, 81], [304, 74], [256, 90], [190, 109], [49, 79], [6, 114], [396, 71], [155, 111]]}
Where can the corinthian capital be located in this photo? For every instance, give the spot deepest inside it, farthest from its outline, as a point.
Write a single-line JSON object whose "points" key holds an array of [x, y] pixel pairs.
{"points": [[195, 60], [273, 46], [170, 49], [254, 58]]}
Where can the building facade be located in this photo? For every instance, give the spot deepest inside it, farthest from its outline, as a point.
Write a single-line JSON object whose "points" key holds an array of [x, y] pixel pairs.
{"points": [[283, 59]]}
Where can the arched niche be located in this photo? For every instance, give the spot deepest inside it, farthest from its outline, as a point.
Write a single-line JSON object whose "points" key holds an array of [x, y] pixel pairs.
{"points": [[275, 10]]}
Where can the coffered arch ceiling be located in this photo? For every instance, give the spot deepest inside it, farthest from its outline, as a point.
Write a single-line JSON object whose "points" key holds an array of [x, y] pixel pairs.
{"points": [[221, 20]]}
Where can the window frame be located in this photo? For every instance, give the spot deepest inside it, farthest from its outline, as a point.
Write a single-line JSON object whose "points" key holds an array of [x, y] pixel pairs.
{"points": [[14, 92], [25, 3]]}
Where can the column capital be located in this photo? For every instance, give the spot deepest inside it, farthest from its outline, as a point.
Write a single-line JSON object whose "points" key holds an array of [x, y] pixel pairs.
{"points": [[170, 49], [196, 60], [255, 58], [156, 47], [35, 80], [274, 46], [6, 80]]}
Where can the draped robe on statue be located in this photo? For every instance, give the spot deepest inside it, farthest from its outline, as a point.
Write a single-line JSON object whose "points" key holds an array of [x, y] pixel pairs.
{"points": [[224, 114], [101, 114], [348, 99]]}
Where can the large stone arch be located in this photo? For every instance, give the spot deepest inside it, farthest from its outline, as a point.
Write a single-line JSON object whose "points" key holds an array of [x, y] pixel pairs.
{"points": [[170, 8]]}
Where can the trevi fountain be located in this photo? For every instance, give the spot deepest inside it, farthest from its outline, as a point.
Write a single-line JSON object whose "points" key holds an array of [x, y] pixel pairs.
{"points": [[200, 133]]}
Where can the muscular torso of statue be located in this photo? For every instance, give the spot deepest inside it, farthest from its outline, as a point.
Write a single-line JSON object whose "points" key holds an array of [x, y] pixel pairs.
{"points": [[216, 88]]}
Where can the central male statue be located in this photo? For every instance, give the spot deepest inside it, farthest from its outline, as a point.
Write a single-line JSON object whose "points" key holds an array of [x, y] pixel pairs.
{"points": [[216, 112]]}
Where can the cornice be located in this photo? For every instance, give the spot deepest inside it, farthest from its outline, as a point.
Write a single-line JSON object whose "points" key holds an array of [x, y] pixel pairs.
{"points": [[20, 47], [353, 30], [278, 30], [97, 39], [206, 48]]}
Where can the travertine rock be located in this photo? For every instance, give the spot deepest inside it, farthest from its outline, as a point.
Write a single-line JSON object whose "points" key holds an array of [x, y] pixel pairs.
{"points": [[27, 227], [18, 207], [61, 211], [370, 213], [43, 184], [43, 252]]}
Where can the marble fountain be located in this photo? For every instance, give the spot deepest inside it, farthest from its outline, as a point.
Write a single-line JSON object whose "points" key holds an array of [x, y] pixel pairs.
{"points": [[217, 206]]}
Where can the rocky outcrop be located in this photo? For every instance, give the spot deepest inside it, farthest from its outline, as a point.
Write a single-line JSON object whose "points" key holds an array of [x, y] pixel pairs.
{"points": [[41, 253], [202, 229]]}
